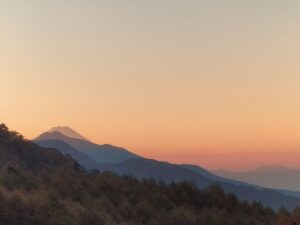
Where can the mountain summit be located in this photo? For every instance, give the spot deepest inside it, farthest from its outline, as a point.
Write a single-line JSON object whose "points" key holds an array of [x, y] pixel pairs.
{"points": [[67, 131], [99, 153]]}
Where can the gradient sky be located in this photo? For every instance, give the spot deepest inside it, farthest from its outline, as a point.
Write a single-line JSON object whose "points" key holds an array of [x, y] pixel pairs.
{"points": [[216, 83]]}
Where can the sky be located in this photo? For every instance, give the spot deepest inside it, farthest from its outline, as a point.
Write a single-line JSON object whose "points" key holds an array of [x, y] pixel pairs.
{"points": [[209, 82]]}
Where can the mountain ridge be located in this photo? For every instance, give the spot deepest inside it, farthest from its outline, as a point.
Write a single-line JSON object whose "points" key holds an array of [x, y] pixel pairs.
{"points": [[142, 168], [99, 153], [83, 159], [148, 168]]}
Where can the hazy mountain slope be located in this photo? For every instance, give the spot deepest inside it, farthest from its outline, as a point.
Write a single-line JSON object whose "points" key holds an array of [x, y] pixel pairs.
{"points": [[67, 131], [290, 193], [146, 168], [208, 174], [212, 176], [272, 177], [99, 153], [64, 148]]}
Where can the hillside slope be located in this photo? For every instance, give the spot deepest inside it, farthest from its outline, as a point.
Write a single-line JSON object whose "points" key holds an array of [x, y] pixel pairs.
{"points": [[43, 187], [64, 148], [99, 153]]}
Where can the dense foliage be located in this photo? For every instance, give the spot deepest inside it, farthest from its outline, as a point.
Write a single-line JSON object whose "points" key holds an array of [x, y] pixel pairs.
{"points": [[41, 186]]}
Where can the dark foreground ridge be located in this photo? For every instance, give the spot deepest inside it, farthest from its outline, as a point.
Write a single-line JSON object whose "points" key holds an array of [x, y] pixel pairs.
{"points": [[40, 186]]}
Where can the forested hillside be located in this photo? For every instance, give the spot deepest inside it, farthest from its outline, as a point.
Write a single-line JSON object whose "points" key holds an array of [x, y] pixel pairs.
{"points": [[40, 186]]}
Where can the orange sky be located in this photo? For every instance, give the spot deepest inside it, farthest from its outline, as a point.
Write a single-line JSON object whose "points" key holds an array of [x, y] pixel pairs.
{"points": [[209, 82]]}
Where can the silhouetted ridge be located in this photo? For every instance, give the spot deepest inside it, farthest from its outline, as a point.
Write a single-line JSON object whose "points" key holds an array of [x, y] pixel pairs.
{"points": [[99, 153], [119, 160], [66, 149], [147, 168], [43, 187], [15, 150]]}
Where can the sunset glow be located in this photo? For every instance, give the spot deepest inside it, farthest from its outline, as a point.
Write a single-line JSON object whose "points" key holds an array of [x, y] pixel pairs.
{"points": [[170, 80]]}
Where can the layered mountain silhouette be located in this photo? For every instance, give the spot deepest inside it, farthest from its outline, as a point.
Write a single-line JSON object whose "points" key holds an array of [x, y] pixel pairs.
{"points": [[83, 159], [99, 153], [123, 162], [43, 186], [167, 172], [218, 178], [274, 176]]}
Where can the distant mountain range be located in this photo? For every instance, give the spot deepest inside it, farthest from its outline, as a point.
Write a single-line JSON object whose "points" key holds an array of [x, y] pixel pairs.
{"points": [[274, 176], [99, 153], [123, 162], [42, 186]]}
